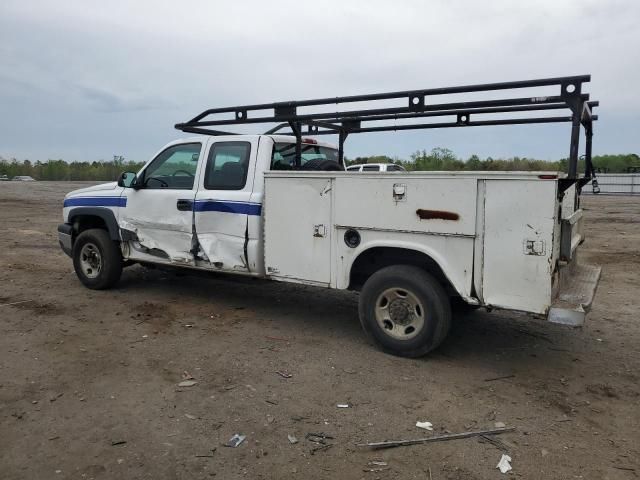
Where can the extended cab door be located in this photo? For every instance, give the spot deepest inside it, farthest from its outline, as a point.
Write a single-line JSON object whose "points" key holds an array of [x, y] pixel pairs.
{"points": [[158, 214], [223, 202]]}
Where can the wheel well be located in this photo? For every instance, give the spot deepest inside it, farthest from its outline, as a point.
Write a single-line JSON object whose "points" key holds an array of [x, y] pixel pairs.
{"points": [[374, 259], [85, 222]]}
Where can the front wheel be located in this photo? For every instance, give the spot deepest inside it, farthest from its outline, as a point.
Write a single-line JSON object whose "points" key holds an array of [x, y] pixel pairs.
{"points": [[405, 310], [97, 259]]}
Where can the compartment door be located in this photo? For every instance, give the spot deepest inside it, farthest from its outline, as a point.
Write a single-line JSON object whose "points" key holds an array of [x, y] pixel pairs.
{"points": [[297, 216]]}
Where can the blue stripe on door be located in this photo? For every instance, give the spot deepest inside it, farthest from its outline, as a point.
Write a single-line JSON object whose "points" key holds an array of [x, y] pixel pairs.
{"points": [[95, 202], [245, 208]]}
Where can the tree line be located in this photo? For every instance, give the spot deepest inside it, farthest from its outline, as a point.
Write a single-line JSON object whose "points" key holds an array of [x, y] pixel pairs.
{"points": [[423, 160]]}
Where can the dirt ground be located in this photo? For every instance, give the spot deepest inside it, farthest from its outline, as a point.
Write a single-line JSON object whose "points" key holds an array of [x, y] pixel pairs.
{"points": [[89, 380]]}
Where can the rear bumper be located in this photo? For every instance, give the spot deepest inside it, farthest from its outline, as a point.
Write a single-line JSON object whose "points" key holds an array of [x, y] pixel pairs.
{"points": [[65, 237], [578, 285]]}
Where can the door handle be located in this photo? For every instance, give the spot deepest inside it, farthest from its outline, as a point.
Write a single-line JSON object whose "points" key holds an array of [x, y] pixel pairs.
{"points": [[184, 205]]}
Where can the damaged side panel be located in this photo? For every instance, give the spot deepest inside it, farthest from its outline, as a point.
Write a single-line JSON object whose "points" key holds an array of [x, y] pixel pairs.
{"points": [[156, 227]]}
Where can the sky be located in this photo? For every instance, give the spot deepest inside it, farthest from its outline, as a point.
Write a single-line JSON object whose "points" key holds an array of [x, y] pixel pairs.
{"points": [[86, 80]]}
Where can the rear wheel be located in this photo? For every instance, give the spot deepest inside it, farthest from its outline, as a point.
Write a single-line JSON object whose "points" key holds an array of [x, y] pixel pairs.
{"points": [[97, 259], [405, 310]]}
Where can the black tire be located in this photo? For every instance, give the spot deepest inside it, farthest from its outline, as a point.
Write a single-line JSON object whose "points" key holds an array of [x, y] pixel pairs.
{"points": [[435, 310], [108, 261]]}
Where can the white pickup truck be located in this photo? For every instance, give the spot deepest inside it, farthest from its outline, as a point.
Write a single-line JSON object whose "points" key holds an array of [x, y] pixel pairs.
{"points": [[281, 207]]}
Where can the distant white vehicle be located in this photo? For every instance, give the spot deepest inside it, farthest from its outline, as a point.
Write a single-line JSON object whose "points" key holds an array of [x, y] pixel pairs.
{"points": [[376, 167], [3, 178], [23, 178]]}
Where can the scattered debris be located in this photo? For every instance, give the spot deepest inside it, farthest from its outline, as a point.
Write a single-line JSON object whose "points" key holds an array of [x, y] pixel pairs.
{"points": [[435, 438], [499, 424], [54, 438], [272, 402], [118, 442], [375, 470], [499, 444], [343, 405], [377, 463], [230, 387], [190, 417], [544, 452], [292, 439], [187, 376], [284, 374], [15, 303], [187, 383], [321, 448], [270, 418], [209, 455], [503, 377], [276, 338], [425, 425], [235, 441], [318, 437], [55, 397], [504, 464]]}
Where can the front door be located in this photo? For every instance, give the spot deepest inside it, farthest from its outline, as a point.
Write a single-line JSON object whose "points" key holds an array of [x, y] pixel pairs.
{"points": [[158, 215], [223, 205]]}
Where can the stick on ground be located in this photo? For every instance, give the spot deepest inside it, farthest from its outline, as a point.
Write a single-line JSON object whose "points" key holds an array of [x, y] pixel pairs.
{"points": [[435, 438]]}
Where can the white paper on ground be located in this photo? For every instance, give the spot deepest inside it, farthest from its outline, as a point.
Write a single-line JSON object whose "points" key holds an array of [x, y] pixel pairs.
{"points": [[504, 464], [425, 425]]}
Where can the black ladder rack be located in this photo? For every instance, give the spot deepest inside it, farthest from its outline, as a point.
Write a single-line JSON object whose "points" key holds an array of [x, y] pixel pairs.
{"points": [[571, 98]]}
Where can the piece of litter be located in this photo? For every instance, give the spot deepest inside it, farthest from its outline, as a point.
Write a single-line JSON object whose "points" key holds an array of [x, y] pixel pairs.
{"points": [[118, 442], [377, 463], [284, 374], [425, 425], [190, 417], [187, 376], [187, 383], [435, 438], [499, 425], [292, 439], [236, 440], [343, 405], [120, 461], [270, 418], [188, 325], [504, 464], [145, 336], [544, 452]]}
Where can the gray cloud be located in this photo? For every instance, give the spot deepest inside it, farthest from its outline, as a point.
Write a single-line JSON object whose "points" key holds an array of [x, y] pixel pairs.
{"points": [[87, 79]]}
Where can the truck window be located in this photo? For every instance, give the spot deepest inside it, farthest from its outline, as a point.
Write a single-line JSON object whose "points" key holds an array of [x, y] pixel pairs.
{"points": [[174, 168], [371, 168], [227, 166], [353, 169], [284, 155]]}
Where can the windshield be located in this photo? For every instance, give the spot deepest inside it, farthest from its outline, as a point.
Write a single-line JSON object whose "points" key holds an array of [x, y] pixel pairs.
{"points": [[284, 155]]}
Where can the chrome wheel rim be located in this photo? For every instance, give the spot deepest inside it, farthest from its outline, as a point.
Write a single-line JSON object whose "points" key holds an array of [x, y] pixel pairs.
{"points": [[90, 260], [399, 313]]}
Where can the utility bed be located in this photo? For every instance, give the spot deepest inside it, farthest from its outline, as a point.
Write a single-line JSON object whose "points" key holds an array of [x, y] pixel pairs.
{"points": [[496, 236]]}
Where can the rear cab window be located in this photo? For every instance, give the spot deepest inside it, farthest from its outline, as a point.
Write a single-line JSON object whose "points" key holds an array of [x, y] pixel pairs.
{"points": [[371, 168], [283, 156]]}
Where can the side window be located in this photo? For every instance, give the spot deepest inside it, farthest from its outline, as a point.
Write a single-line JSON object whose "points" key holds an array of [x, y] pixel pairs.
{"points": [[371, 168], [353, 169], [227, 166], [174, 168]]}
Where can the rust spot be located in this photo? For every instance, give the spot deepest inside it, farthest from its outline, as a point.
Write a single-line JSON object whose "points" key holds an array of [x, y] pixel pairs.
{"points": [[436, 214]]}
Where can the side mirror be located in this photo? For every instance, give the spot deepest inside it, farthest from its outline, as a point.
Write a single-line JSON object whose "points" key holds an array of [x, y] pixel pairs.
{"points": [[126, 179]]}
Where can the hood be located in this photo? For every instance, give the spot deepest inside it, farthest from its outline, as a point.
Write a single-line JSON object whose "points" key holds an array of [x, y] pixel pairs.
{"points": [[96, 188]]}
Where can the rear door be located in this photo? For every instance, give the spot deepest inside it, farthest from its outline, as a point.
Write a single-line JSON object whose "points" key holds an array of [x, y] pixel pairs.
{"points": [[159, 213], [223, 203]]}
